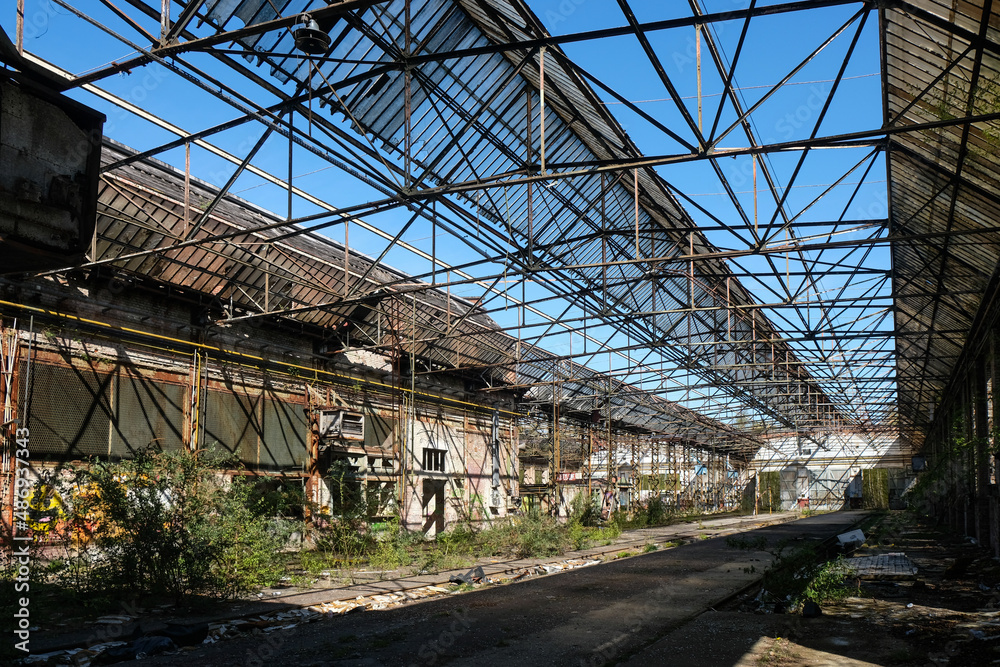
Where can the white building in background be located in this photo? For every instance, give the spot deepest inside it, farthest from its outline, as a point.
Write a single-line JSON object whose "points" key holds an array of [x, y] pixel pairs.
{"points": [[825, 471]]}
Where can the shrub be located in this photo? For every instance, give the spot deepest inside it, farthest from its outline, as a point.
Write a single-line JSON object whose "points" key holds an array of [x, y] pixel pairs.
{"points": [[167, 523], [656, 512], [533, 534], [875, 488], [770, 491], [584, 510], [346, 536], [538, 534], [391, 547], [829, 582]]}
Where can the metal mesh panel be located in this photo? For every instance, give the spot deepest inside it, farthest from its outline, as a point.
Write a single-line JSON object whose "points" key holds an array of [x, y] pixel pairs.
{"points": [[231, 421], [147, 412], [283, 444], [69, 410]]}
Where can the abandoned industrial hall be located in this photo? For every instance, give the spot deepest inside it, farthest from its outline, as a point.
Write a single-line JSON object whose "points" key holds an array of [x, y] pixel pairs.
{"points": [[461, 260]]}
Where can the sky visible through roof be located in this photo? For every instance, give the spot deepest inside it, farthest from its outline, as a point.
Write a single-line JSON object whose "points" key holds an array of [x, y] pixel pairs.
{"points": [[831, 187]]}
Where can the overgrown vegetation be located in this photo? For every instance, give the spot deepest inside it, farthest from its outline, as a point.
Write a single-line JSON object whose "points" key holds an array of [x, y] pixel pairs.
{"points": [[797, 574], [770, 491], [349, 540], [945, 485], [654, 512], [831, 581], [167, 524], [875, 488]]}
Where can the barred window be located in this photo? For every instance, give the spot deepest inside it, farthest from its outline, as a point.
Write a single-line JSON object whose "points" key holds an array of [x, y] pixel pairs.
{"points": [[434, 459]]}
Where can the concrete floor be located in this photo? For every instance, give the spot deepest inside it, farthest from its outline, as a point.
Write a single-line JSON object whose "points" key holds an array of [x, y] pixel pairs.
{"points": [[592, 616]]}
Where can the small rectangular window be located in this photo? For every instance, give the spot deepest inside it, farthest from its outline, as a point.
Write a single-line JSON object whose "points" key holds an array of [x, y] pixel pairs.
{"points": [[434, 460]]}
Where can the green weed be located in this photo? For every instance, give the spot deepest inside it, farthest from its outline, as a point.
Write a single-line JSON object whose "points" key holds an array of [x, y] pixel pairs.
{"points": [[797, 574]]}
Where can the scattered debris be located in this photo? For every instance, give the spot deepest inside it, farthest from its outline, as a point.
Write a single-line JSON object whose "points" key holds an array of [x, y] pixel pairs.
{"points": [[113, 620], [137, 650], [473, 576], [851, 540], [883, 566], [177, 636], [185, 634]]}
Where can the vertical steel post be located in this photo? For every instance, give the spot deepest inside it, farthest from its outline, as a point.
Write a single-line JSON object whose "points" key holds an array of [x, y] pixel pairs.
{"points": [[635, 189], [434, 267], [994, 517], [531, 203], [20, 27], [407, 99], [589, 462], [604, 246], [187, 187], [697, 41], [313, 478], [164, 21], [541, 102], [291, 144], [10, 380], [554, 448]]}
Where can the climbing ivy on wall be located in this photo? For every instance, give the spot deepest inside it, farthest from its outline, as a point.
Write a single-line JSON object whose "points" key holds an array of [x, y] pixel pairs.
{"points": [[770, 491], [661, 482], [748, 498], [875, 488]]}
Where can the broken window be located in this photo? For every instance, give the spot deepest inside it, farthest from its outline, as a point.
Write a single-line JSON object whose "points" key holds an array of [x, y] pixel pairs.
{"points": [[343, 480]]}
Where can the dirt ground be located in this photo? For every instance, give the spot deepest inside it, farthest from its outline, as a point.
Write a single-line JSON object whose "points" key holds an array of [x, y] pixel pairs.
{"points": [[948, 614]]}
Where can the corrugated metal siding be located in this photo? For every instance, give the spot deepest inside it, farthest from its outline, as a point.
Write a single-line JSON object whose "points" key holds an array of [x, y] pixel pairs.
{"points": [[141, 207], [939, 189]]}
